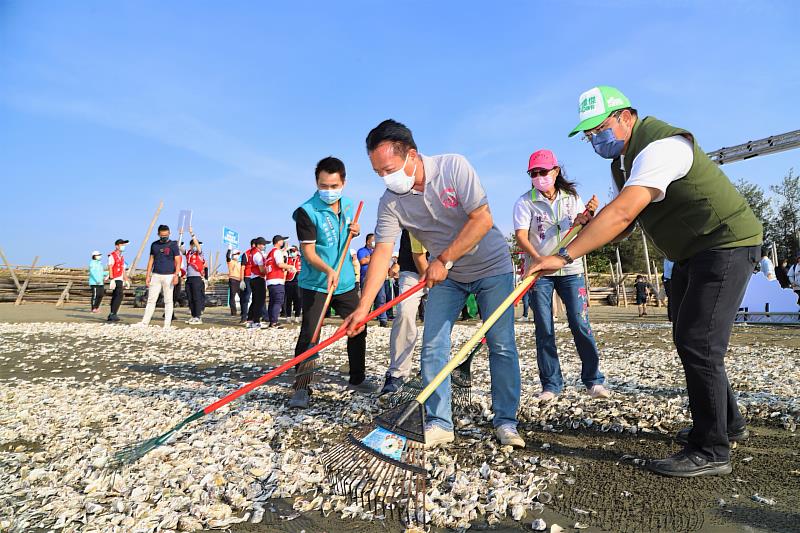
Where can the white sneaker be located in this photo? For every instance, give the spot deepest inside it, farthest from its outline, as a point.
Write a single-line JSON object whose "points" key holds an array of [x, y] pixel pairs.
{"points": [[546, 396], [254, 325], [599, 392], [508, 436], [436, 435], [190, 321]]}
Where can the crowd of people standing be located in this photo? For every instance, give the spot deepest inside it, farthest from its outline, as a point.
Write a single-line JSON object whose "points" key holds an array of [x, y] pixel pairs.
{"points": [[436, 207]]}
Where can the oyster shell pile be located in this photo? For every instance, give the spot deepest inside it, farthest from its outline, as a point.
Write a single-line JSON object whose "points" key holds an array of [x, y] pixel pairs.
{"points": [[75, 393]]}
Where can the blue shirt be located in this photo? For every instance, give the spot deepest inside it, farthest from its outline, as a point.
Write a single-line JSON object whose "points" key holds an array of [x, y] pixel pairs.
{"points": [[361, 254], [164, 255], [96, 272], [668, 269], [329, 235]]}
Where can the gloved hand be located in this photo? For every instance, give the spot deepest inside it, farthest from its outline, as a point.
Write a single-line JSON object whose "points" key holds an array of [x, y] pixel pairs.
{"points": [[242, 285], [127, 284]]}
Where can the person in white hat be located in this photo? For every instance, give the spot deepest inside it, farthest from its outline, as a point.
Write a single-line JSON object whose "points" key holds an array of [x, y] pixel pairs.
{"points": [[97, 277]]}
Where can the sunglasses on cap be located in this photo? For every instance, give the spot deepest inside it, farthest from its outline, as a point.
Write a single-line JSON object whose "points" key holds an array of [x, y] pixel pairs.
{"points": [[538, 172]]}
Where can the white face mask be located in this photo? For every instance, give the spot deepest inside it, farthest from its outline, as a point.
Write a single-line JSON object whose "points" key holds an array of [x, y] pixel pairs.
{"points": [[398, 181]]}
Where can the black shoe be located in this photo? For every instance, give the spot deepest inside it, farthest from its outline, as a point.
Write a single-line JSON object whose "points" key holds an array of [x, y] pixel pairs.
{"points": [[113, 318], [689, 464], [384, 324], [391, 385], [734, 435]]}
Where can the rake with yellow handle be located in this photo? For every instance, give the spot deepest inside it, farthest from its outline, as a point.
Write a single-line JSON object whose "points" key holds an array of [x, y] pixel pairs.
{"points": [[383, 468]]}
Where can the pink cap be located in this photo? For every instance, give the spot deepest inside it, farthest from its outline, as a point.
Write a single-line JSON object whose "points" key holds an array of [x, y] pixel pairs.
{"points": [[542, 159]]}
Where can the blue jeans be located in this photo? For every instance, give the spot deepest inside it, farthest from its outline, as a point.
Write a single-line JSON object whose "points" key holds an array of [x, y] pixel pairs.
{"points": [[380, 299], [277, 293], [573, 293], [444, 305]]}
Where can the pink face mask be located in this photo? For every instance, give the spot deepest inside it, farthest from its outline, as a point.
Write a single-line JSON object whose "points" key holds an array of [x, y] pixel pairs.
{"points": [[543, 183]]}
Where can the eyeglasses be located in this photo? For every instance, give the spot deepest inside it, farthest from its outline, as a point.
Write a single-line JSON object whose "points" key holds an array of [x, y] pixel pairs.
{"points": [[588, 134], [538, 172]]}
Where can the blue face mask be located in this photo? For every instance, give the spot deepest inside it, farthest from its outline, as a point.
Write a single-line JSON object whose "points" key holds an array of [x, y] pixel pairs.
{"points": [[330, 196], [607, 145]]}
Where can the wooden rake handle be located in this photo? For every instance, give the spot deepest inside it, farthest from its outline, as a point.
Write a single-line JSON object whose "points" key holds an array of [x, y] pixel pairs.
{"points": [[344, 253], [462, 354]]}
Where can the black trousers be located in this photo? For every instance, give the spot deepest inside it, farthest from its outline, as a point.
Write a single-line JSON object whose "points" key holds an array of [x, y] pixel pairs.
{"points": [[293, 302], [97, 295], [344, 304], [116, 297], [233, 290], [196, 294], [258, 286], [706, 292], [668, 292]]}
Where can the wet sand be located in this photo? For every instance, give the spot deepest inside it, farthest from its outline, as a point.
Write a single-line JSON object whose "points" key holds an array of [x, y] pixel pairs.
{"points": [[608, 490]]}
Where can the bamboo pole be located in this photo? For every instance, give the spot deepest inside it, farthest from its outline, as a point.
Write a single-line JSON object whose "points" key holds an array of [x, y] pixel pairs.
{"points": [[132, 268], [621, 279], [216, 264], [658, 286], [64, 294], [22, 289], [647, 256], [10, 269]]}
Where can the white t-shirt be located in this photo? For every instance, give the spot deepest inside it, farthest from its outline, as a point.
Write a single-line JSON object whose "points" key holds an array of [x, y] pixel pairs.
{"points": [[547, 222], [660, 163], [279, 257]]}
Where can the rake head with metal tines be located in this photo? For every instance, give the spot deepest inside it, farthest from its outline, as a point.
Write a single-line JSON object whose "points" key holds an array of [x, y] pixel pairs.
{"points": [[383, 470], [460, 381]]}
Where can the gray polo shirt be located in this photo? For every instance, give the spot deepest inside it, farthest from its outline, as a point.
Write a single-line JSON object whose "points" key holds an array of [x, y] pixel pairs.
{"points": [[436, 215]]}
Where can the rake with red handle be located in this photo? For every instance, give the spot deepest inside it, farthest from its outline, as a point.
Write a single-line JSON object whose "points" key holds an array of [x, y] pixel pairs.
{"points": [[136, 451]]}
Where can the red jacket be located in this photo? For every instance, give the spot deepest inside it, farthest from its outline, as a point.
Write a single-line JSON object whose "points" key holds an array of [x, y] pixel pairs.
{"points": [[119, 265], [273, 270], [296, 262]]}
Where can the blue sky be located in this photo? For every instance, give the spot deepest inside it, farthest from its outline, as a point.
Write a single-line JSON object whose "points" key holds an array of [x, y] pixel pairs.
{"points": [[225, 107]]}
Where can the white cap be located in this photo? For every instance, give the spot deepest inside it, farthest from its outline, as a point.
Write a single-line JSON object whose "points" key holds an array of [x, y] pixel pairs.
{"points": [[96, 253]]}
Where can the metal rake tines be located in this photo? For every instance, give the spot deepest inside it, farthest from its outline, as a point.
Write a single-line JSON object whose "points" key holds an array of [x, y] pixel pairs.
{"points": [[461, 392], [134, 452], [377, 483]]}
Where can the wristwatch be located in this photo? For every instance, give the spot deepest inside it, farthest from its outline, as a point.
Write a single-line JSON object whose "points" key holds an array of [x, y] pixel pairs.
{"points": [[447, 264], [564, 254]]}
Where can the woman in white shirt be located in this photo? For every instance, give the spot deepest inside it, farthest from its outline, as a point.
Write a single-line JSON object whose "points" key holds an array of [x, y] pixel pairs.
{"points": [[542, 216]]}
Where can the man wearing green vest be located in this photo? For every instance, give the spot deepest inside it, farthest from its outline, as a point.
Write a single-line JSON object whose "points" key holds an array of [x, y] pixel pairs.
{"points": [[323, 223], [692, 212]]}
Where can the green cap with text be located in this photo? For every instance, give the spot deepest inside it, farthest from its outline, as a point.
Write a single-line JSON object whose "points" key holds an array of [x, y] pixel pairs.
{"points": [[596, 104]]}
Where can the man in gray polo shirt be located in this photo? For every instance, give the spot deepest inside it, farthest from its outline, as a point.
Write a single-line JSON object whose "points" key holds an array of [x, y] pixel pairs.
{"points": [[443, 205]]}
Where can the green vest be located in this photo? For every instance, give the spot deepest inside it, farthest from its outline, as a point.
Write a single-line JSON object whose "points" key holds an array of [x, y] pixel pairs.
{"points": [[332, 232], [700, 211]]}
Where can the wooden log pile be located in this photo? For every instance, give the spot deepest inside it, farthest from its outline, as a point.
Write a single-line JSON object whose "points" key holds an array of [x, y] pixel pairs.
{"points": [[47, 284]]}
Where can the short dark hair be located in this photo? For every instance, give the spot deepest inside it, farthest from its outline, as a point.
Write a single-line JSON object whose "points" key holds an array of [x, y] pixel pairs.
{"points": [[163, 227], [366, 239], [394, 132], [331, 165]]}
